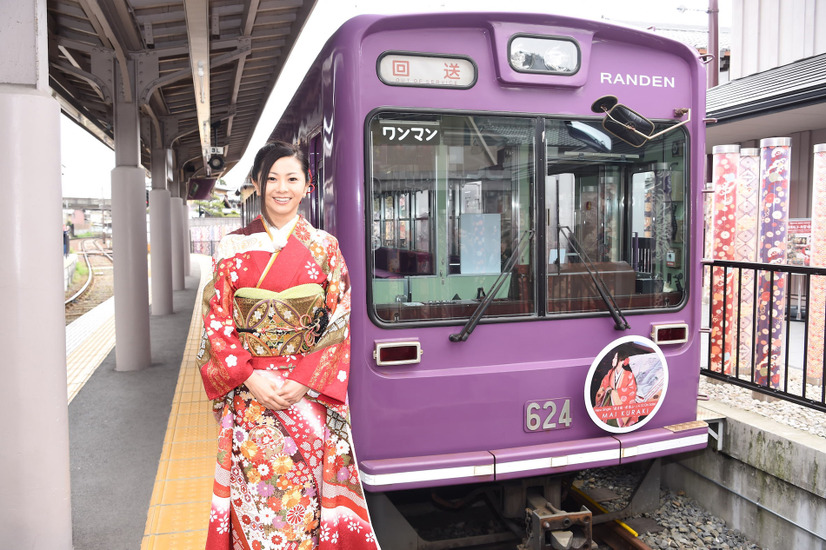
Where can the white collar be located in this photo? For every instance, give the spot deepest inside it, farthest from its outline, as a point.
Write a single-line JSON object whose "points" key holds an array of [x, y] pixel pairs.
{"points": [[280, 236]]}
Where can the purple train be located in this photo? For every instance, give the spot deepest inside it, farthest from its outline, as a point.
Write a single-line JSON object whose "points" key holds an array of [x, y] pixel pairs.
{"points": [[518, 198]]}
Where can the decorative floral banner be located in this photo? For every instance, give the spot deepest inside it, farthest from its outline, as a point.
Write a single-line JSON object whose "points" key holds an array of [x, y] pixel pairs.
{"points": [[745, 248], [817, 257], [771, 290], [723, 291]]}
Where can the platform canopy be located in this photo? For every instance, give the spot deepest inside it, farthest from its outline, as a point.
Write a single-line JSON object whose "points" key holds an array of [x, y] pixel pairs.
{"points": [[201, 71]]}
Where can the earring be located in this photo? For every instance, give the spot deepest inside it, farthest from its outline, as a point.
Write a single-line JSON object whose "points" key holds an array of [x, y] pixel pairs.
{"points": [[310, 189]]}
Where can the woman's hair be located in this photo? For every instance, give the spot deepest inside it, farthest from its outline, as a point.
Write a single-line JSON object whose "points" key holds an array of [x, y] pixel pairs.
{"points": [[266, 157], [623, 360], [626, 364]]}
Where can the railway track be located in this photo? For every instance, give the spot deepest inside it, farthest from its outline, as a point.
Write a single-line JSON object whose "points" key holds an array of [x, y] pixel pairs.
{"points": [[473, 520], [98, 284]]}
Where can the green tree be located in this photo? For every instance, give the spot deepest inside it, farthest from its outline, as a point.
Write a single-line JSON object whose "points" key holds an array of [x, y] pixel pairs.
{"points": [[214, 208]]}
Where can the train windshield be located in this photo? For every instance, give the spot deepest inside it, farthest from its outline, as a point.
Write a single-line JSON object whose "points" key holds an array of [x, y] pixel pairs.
{"points": [[451, 196], [617, 209]]}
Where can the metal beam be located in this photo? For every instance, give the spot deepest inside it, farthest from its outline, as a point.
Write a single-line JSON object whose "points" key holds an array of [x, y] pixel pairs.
{"points": [[98, 85], [197, 30], [241, 51], [109, 39], [248, 17]]}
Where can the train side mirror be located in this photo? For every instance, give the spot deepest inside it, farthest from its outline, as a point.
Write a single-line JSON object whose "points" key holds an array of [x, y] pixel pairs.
{"points": [[627, 124]]}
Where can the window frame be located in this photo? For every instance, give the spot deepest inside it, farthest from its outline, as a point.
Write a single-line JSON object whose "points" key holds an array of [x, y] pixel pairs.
{"points": [[537, 247]]}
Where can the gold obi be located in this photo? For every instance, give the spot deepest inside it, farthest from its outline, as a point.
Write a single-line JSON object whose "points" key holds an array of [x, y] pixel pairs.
{"points": [[280, 323]]}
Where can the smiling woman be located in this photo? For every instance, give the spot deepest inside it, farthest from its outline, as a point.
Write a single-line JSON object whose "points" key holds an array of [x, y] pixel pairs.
{"points": [[276, 361], [281, 175]]}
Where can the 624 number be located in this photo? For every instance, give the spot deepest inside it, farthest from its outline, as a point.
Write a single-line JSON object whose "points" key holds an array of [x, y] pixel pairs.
{"points": [[550, 414]]}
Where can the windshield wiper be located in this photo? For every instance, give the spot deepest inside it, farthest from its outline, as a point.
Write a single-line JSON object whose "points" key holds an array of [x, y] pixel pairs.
{"points": [[620, 322], [494, 289]]}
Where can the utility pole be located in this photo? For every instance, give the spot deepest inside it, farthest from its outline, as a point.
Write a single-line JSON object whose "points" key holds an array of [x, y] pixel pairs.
{"points": [[713, 44]]}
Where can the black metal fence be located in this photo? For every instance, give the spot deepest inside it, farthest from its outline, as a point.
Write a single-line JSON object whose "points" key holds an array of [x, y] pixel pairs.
{"points": [[754, 297]]}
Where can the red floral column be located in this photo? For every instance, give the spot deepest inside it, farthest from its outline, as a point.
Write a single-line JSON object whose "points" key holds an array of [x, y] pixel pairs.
{"points": [[723, 291]]}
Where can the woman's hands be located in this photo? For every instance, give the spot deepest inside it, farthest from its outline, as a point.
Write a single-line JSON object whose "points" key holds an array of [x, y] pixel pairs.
{"points": [[267, 392]]}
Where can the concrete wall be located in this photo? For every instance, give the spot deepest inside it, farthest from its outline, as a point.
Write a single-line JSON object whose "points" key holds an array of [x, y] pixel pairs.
{"points": [[768, 480]]}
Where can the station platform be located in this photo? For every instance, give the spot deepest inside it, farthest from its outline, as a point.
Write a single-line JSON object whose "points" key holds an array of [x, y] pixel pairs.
{"points": [[142, 444]]}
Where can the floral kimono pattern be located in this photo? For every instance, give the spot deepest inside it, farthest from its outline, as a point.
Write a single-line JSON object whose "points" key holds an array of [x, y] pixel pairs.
{"points": [[284, 480]]}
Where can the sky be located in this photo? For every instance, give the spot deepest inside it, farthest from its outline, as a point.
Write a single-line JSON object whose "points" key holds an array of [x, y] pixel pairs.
{"points": [[87, 163]]}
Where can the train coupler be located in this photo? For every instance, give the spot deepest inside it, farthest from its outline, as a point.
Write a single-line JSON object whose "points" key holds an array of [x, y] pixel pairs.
{"points": [[549, 528]]}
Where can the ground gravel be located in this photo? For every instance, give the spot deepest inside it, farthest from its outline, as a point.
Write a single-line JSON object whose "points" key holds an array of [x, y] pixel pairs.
{"points": [[682, 522], [785, 412]]}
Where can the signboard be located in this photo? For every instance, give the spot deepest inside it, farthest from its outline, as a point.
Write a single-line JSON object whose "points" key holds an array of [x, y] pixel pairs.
{"points": [[798, 245], [407, 132], [426, 71]]}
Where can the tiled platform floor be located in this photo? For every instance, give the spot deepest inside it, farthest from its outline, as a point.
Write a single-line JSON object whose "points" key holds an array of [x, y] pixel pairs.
{"points": [[89, 339], [179, 509]]}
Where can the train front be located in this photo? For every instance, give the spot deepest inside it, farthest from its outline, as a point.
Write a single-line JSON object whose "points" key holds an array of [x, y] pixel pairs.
{"points": [[528, 280]]}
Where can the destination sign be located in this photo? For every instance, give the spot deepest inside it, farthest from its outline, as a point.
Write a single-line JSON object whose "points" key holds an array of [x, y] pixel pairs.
{"points": [[426, 71]]}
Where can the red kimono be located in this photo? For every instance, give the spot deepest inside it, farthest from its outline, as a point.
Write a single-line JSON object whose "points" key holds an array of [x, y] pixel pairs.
{"points": [[618, 390], [284, 479]]}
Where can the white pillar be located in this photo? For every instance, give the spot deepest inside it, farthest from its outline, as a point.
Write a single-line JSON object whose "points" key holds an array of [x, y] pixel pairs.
{"points": [[35, 494], [160, 235], [132, 348], [186, 244], [178, 277]]}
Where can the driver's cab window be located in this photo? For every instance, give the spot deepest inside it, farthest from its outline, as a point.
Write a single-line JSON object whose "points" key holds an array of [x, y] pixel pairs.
{"points": [[450, 199], [614, 213]]}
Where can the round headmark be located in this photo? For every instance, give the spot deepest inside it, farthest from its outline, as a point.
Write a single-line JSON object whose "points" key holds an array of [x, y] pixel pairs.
{"points": [[626, 384]]}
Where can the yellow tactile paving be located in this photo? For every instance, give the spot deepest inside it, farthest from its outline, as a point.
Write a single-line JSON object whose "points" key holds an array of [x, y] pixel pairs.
{"points": [[179, 509]]}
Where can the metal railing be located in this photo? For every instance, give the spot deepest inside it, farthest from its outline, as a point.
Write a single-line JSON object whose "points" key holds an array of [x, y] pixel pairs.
{"points": [[757, 335]]}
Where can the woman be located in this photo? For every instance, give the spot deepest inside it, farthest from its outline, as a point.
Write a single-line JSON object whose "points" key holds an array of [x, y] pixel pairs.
{"points": [[618, 387], [275, 360]]}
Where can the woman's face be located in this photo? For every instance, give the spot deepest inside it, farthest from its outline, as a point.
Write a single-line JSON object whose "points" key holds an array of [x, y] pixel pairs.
{"points": [[286, 185]]}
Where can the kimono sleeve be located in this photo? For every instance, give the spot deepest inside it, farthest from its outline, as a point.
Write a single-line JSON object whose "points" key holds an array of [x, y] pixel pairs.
{"points": [[326, 369], [223, 362]]}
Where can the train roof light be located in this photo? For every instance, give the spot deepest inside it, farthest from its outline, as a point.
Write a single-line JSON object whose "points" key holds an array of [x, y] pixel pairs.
{"points": [[544, 55]]}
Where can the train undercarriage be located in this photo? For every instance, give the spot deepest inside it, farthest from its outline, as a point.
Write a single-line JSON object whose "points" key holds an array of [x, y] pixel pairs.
{"points": [[538, 513]]}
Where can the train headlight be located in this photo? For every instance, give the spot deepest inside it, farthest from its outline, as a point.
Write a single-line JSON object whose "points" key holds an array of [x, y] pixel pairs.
{"points": [[545, 55], [397, 352], [674, 333]]}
